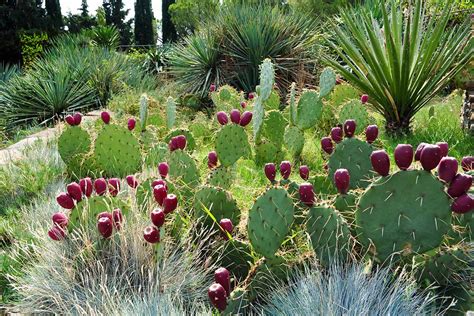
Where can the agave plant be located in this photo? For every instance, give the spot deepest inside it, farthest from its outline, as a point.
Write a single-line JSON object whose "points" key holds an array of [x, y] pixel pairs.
{"points": [[402, 61]]}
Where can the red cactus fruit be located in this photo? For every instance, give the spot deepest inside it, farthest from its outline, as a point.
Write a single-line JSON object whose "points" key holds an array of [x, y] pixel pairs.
{"points": [[157, 217], [117, 218], [56, 233], [447, 169], [212, 88], [380, 162], [460, 185], [70, 120], [105, 116], [114, 186], [463, 204], [336, 134], [349, 128], [222, 118], [364, 98], [151, 234], [418, 151], [467, 163], [60, 219], [74, 191], [226, 226], [105, 227], [304, 172], [235, 116], [338, 81], [65, 201], [403, 156], [163, 169], [173, 145], [86, 186], [100, 186], [218, 296], [131, 124], [222, 276], [246, 118], [181, 141], [170, 203], [159, 193], [159, 182], [371, 133], [251, 96], [132, 181], [341, 180], [105, 214], [307, 194], [212, 159], [326, 145], [444, 148], [77, 118], [430, 157], [270, 171], [285, 169], [243, 104]]}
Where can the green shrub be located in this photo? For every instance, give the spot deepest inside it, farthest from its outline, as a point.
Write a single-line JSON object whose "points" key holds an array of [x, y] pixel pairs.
{"points": [[32, 46]]}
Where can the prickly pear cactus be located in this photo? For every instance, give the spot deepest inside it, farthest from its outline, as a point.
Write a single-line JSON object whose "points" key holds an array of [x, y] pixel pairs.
{"points": [[143, 112], [274, 126], [354, 110], [404, 214], [218, 202], [354, 155], [183, 171], [273, 101], [73, 145], [156, 154], [343, 93], [330, 234], [292, 104], [327, 81], [267, 151], [322, 184], [225, 98], [231, 144], [117, 151], [267, 79], [294, 140], [221, 177], [309, 110], [237, 257], [270, 220], [190, 141], [170, 112], [237, 302]]}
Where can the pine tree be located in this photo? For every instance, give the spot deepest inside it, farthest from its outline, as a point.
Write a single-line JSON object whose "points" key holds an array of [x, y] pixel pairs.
{"points": [[115, 14], [169, 31], [53, 10], [84, 9], [143, 23]]}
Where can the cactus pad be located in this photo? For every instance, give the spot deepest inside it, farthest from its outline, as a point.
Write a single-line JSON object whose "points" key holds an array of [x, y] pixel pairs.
{"points": [[183, 171], [267, 151], [236, 303], [190, 141], [225, 98], [310, 108], [117, 152], [170, 112], [270, 220], [292, 104], [274, 127], [406, 213], [267, 272], [327, 81], [294, 140], [231, 144], [273, 101], [342, 93], [221, 177], [237, 257], [73, 141], [156, 154], [354, 110], [217, 201], [354, 155], [322, 184]]}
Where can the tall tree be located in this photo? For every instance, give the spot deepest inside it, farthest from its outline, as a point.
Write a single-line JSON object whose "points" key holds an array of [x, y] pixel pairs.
{"points": [[169, 31], [53, 10], [143, 23], [78, 22], [84, 9], [115, 14]]}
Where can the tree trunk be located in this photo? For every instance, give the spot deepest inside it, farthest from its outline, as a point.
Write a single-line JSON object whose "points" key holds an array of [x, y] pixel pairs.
{"points": [[169, 31]]}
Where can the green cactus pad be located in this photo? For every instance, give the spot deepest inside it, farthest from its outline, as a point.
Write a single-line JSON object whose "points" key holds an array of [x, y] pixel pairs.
{"points": [[294, 140], [310, 108], [354, 110], [217, 201], [237, 303], [170, 112], [274, 127], [346, 205], [221, 177], [156, 154], [354, 155], [268, 272], [327, 81], [147, 138], [273, 101], [330, 235], [183, 171], [236, 256], [406, 213], [343, 93], [73, 145], [270, 220], [293, 191], [190, 141], [322, 184], [266, 152], [226, 98], [117, 152], [231, 144]]}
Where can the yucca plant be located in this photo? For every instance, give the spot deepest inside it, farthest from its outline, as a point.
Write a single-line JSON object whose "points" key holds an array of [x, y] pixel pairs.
{"points": [[402, 61], [7, 71], [105, 36]]}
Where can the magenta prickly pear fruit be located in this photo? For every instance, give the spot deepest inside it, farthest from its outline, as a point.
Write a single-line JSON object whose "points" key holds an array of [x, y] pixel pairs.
{"points": [[342, 179], [77, 118], [326, 145], [285, 169], [105, 116], [243, 104], [151, 234], [371, 133], [222, 118], [307, 194], [70, 120], [349, 128], [304, 172], [418, 151], [338, 81], [56, 233], [159, 182], [105, 214], [181, 141], [163, 169], [60, 219], [444, 148], [226, 226], [447, 169], [459, 185], [173, 144], [336, 134], [105, 227], [403, 156], [170, 203], [74, 191], [380, 162], [251, 96], [117, 217], [131, 124], [270, 171], [218, 296], [246, 118], [86, 186], [65, 201], [132, 181], [159, 193], [467, 163], [158, 217], [114, 186], [430, 157], [463, 204], [212, 88], [222, 276], [212, 159], [100, 186], [364, 98], [235, 116]]}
